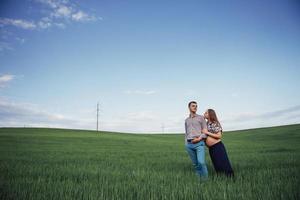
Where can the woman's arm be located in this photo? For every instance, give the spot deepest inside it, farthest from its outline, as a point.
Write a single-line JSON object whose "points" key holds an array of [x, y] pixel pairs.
{"points": [[214, 135], [217, 135]]}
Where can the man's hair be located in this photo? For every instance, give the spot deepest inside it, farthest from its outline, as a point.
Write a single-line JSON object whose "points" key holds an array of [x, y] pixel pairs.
{"points": [[191, 103]]}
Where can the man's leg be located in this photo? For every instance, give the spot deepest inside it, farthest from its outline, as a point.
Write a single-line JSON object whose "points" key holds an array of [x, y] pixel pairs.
{"points": [[201, 167], [193, 155]]}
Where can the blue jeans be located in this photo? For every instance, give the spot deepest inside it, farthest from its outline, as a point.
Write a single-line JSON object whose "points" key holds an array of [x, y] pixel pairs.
{"points": [[197, 155]]}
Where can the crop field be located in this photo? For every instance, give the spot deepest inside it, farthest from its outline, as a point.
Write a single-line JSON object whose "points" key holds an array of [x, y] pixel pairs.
{"points": [[41, 163]]}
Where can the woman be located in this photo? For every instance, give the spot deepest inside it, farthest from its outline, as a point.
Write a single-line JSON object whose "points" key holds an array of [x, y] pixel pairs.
{"points": [[217, 149]]}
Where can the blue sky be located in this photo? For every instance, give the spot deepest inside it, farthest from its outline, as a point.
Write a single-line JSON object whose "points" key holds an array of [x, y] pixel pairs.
{"points": [[145, 60]]}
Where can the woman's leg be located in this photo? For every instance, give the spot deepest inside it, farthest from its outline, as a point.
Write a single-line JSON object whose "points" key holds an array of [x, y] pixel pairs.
{"points": [[214, 156], [220, 159], [226, 163]]}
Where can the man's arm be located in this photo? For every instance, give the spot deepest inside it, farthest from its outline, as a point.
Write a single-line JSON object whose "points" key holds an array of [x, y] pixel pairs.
{"points": [[185, 126], [204, 127], [204, 133]]}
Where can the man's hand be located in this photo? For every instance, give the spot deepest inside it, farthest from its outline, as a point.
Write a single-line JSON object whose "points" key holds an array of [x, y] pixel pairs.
{"points": [[197, 139]]}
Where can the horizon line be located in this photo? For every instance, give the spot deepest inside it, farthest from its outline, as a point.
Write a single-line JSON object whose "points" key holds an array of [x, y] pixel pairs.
{"points": [[171, 133]]}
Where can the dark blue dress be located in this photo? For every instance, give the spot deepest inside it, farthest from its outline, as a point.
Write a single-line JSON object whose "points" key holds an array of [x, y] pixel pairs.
{"points": [[218, 152]]}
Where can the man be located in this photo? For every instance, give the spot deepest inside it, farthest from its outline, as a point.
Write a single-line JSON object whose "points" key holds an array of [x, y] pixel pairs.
{"points": [[195, 127]]}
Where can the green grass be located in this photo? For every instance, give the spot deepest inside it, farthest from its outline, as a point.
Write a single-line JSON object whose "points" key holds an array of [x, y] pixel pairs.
{"points": [[71, 164]]}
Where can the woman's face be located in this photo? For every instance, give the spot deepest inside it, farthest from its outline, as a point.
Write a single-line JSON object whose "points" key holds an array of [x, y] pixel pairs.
{"points": [[206, 115]]}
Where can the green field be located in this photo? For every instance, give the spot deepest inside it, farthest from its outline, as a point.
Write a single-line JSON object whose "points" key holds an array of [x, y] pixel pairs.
{"points": [[37, 163]]}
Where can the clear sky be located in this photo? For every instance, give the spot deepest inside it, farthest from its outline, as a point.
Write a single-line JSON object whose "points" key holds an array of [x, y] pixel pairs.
{"points": [[145, 60]]}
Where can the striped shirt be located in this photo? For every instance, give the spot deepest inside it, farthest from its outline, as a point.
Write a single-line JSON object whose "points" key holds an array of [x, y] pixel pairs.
{"points": [[194, 126]]}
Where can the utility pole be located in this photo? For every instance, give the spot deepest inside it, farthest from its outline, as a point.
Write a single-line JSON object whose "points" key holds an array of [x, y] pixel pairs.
{"points": [[97, 116], [163, 128]]}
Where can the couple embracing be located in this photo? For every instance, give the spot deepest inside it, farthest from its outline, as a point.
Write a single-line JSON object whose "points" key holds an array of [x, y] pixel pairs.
{"points": [[200, 133]]}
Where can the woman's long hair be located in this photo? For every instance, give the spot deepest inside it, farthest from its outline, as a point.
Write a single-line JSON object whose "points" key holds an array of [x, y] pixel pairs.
{"points": [[213, 116]]}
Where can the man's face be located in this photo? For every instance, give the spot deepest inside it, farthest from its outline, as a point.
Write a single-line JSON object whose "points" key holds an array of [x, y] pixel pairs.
{"points": [[193, 107]]}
